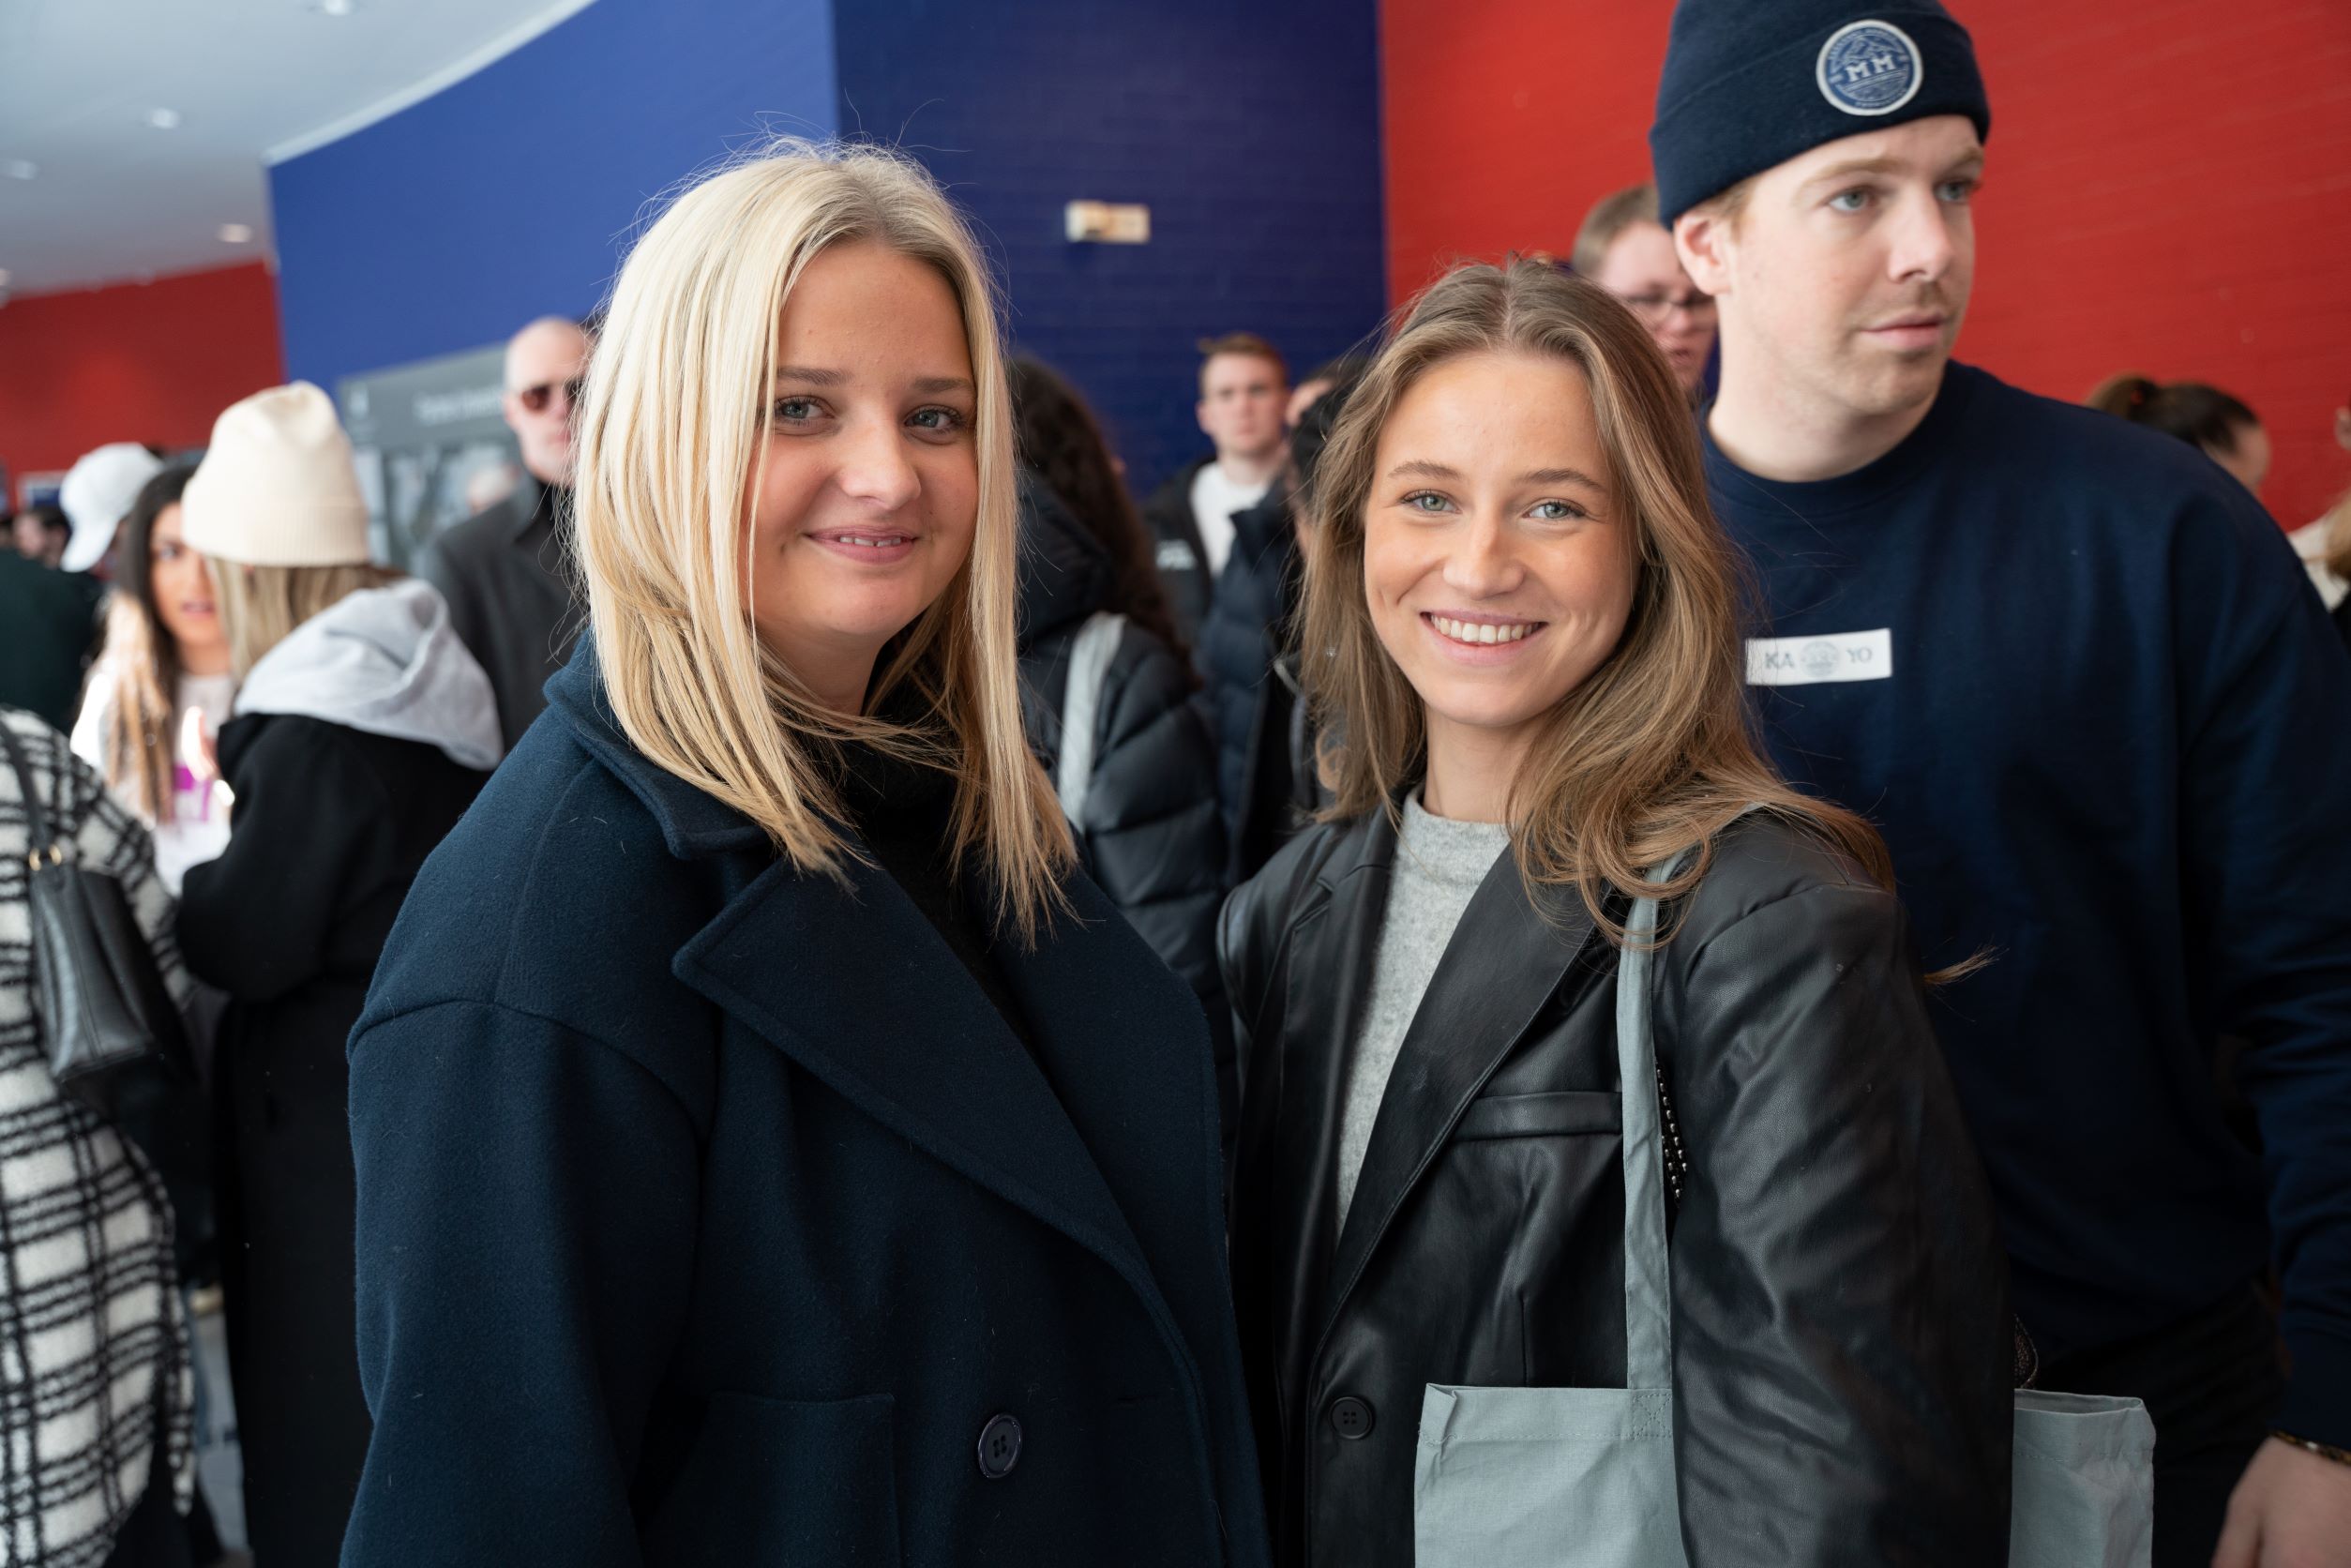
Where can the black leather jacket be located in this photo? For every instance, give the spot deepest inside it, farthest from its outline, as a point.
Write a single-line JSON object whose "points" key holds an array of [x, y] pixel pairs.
{"points": [[1841, 1330]]}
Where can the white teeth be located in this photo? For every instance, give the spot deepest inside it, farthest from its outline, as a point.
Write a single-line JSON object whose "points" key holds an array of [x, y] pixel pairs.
{"points": [[1481, 631], [873, 542]]}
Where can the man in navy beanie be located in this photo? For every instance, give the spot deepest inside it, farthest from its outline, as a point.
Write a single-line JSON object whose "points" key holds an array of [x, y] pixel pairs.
{"points": [[2074, 673]]}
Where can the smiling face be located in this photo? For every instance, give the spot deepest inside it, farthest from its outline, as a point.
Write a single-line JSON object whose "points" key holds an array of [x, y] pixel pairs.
{"points": [[1496, 563], [865, 501], [183, 596], [1844, 276]]}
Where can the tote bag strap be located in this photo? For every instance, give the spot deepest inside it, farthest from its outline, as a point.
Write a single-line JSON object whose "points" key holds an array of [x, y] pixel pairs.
{"points": [[1648, 1282], [1648, 1277], [1090, 656], [40, 838]]}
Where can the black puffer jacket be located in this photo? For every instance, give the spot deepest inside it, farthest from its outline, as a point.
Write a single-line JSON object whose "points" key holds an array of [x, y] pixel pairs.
{"points": [[1151, 835], [1182, 559], [1840, 1330], [1238, 644]]}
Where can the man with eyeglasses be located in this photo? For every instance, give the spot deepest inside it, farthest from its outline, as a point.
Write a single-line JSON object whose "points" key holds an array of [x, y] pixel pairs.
{"points": [[503, 570], [1623, 249]]}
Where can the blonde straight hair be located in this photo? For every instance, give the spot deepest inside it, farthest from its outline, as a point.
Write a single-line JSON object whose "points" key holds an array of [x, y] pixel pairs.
{"points": [[260, 605], [672, 427], [1652, 754]]}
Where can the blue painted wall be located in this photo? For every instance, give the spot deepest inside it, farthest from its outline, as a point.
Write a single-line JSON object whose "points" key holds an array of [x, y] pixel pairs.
{"points": [[1250, 126], [507, 195]]}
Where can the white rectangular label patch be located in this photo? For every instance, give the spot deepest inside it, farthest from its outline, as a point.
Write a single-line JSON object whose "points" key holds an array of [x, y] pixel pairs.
{"points": [[1842, 656]]}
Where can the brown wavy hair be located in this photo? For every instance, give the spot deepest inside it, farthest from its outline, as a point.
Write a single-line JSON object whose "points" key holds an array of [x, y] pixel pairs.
{"points": [[139, 746], [1653, 753], [1058, 437]]}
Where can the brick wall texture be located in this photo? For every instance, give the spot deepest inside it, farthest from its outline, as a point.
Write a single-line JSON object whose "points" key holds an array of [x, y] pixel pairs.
{"points": [[1250, 128]]}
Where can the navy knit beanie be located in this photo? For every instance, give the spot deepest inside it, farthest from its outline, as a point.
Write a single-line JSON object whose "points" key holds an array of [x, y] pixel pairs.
{"points": [[1750, 84]]}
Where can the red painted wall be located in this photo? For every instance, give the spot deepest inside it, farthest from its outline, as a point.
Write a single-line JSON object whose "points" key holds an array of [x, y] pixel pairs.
{"points": [[2169, 186], [153, 362]]}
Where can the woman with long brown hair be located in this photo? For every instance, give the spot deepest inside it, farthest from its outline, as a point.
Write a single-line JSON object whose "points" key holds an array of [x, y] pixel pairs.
{"points": [[1520, 633], [1098, 650], [161, 688], [771, 1148]]}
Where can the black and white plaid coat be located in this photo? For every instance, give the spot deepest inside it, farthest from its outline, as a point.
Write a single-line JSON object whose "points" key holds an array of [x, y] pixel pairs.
{"points": [[95, 1381]]}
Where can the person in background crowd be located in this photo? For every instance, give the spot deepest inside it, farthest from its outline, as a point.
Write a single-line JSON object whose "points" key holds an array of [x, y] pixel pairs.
{"points": [[838, 1176], [97, 1393], [41, 532], [2073, 675], [1245, 389], [1345, 371], [1531, 683], [2206, 417], [505, 572], [162, 687], [362, 732], [96, 494], [1623, 249], [2324, 545], [1146, 817], [1265, 772], [49, 628]]}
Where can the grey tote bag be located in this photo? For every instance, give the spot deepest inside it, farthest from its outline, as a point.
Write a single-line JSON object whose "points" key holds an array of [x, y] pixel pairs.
{"points": [[1547, 1477]]}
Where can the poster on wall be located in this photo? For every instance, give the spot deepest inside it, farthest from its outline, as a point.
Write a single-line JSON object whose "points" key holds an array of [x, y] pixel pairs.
{"points": [[431, 445]]}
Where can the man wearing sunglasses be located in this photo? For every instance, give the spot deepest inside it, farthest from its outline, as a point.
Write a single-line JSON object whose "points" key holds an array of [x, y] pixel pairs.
{"points": [[503, 570]]}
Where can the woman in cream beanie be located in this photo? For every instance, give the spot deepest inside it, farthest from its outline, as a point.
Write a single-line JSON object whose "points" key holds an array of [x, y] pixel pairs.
{"points": [[361, 731]]}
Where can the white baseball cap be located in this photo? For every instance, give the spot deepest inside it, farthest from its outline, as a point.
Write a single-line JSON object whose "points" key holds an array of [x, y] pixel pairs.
{"points": [[97, 494]]}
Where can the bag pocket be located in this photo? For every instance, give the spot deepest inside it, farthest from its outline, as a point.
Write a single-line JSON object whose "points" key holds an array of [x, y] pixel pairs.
{"points": [[768, 1483], [2083, 1483], [1576, 1111], [1521, 1477]]}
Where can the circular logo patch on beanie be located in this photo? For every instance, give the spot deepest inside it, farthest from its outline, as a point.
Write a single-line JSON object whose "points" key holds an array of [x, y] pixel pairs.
{"points": [[1869, 68]]}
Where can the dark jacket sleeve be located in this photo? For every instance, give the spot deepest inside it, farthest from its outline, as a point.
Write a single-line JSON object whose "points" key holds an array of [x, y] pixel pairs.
{"points": [[1154, 839], [2266, 766], [525, 1251], [309, 812], [443, 563], [1842, 1339]]}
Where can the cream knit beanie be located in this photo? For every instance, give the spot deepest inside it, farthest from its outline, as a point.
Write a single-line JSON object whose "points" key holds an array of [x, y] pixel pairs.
{"points": [[277, 487]]}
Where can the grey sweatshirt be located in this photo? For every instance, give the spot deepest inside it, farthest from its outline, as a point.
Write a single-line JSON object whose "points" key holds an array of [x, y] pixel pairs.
{"points": [[385, 662], [1438, 865]]}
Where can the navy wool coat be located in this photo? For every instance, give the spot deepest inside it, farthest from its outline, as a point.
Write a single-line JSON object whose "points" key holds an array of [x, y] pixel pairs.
{"points": [[709, 1212]]}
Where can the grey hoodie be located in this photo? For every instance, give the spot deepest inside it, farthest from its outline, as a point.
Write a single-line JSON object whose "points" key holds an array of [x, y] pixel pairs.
{"points": [[383, 660]]}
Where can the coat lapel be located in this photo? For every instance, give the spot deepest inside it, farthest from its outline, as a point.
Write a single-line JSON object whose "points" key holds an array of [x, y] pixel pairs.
{"points": [[855, 985], [1502, 964], [1297, 1145]]}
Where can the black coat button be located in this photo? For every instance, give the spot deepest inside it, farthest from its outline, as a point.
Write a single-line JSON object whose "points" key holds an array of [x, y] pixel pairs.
{"points": [[1352, 1416], [999, 1447]]}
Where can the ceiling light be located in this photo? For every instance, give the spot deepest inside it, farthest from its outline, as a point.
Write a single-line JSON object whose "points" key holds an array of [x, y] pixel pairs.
{"points": [[3, 277], [19, 169], [236, 234], [334, 8], [164, 119]]}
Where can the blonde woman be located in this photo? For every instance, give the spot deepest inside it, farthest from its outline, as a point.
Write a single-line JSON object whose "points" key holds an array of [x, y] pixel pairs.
{"points": [[1522, 636], [161, 688], [362, 731], [770, 1148]]}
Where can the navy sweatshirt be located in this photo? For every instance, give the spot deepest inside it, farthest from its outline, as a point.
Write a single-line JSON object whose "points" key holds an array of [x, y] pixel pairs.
{"points": [[2076, 676]]}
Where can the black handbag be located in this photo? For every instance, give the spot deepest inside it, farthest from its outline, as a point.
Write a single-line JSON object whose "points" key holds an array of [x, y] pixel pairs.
{"points": [[106, 1016]]}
